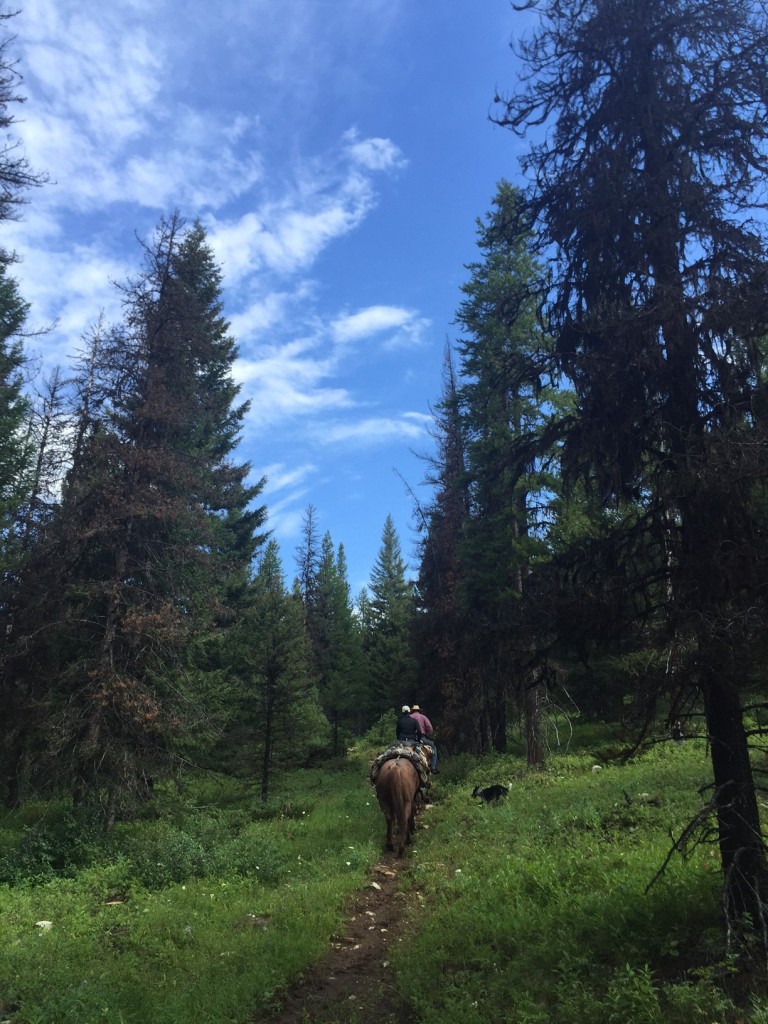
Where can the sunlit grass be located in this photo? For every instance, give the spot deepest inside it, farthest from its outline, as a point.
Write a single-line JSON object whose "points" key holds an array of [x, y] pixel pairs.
{"points": [[127, 945], [531, 911], [538, 910]]}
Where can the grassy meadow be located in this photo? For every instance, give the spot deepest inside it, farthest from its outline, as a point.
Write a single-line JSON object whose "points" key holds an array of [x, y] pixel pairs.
{"points": [[530, 911]]}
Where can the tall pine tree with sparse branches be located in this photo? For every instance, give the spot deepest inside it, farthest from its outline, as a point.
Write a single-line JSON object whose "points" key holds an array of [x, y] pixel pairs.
{"points": [[647, 189], [157, 526], [390, 663]]}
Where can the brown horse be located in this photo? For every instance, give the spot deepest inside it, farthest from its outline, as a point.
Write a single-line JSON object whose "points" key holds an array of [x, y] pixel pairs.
{"points": [[396, 789]]}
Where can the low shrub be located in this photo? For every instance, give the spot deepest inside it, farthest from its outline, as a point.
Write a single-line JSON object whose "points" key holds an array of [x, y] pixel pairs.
{"points": [[59, 843]]}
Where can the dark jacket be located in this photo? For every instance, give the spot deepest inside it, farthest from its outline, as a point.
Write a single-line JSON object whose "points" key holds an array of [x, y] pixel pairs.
{"points": [[407, 728]]}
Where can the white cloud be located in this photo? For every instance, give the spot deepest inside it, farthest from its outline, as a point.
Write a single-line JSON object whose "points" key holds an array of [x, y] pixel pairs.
{"points": [[279, 477], [287, 381], [286, 235], [257, 316], [411, 334], [98, 71], [286, 510], [376, 430], [285, 521], [118, 118], [68, 289], [353, 326], [374, 154], [405, 325]]}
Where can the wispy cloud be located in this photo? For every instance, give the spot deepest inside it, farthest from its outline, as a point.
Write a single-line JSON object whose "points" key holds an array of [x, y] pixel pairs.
{"points": [[326, 199], [120, 119], [374, 154], [399, 323], [287, 492], [377, 430], [226, 117], [285, 381], [281, 477]]}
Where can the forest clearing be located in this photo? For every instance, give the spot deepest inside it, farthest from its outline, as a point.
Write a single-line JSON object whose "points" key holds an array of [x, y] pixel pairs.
{"points": [[188, 832], [216, 908]]}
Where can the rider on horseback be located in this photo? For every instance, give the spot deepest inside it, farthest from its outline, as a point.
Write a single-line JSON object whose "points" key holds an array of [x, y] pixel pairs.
{"points": [[426, 733], [407, 729]]}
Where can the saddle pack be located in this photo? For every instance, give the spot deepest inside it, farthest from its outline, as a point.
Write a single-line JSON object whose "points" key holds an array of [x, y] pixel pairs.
{"points": [[415, 755]]}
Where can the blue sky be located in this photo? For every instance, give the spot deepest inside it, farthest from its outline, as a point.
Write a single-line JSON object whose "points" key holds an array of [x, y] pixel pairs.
{"points": [[338, 153]]}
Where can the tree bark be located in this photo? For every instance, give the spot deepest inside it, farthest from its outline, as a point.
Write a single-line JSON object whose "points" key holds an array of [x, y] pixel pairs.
{"points": [[532, 698], [742, 849]]}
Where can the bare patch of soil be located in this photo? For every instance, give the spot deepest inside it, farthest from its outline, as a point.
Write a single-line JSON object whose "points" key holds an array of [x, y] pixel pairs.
{"points": [[354, 980]]}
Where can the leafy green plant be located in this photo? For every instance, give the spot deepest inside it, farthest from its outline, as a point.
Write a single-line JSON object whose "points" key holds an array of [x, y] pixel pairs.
{"points": [[527, 896], [206, 913]]}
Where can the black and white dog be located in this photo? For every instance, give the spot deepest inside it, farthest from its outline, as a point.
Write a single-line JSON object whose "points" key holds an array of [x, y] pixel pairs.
{"points": [[491, 794]]}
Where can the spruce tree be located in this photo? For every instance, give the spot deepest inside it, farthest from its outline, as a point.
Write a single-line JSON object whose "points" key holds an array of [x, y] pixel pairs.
{"points": [[157, 525], [448, 678], [508, 402], [281, 709], [17, 455], [308, 564], [336, 647], [647, 191], [16, 173], [390, 663], [15, 450]]}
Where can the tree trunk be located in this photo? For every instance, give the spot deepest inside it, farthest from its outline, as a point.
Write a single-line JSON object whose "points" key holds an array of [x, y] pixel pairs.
{"points": [[15, 757], [499, 708], [742, 850], [532, 699], [267, 758]]}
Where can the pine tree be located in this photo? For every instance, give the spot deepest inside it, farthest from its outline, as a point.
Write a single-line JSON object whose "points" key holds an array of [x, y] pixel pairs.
{"points": [[448, 680], [648, 191], [336, 646], [508, 402], [16, 485], [281, 707], [308, 563], [17, 456], [16, 174], [15, 450], [390, 663], [157, 526]]}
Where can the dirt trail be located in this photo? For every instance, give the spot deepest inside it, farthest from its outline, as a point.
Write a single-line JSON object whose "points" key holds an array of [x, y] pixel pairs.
{"points": [[354, 981]]}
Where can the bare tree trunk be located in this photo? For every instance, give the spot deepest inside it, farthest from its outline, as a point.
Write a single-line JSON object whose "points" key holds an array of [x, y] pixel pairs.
{"points": [[266, 760], [742, 849], [532, 700], [499, 714]]}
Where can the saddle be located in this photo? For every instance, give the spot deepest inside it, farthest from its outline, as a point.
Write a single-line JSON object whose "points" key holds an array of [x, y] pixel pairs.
{"points": [[415, 755]]}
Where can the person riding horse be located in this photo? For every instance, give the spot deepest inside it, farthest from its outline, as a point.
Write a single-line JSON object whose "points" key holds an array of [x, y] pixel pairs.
{"points": [[407, 729], [426, 730]]}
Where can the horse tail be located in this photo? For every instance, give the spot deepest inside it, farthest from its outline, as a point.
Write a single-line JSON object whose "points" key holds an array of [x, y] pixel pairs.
{"points": [[400, 808]]}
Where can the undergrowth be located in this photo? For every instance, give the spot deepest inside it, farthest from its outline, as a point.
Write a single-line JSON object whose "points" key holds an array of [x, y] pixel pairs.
{"points": [[535, 910], [201, 911], [539, 907]]}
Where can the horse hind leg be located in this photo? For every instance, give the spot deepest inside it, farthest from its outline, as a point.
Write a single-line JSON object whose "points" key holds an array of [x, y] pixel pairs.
{"points": [[390, 826], [403, 827], [411, 822]]}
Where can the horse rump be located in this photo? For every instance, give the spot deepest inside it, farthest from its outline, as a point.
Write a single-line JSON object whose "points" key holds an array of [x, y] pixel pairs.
{"points": [[396, 788]]}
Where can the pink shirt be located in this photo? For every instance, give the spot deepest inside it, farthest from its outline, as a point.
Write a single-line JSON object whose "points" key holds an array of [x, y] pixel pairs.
{"points": [[423, 722]]}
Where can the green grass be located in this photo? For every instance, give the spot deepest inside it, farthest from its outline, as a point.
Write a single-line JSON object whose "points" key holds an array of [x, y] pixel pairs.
{"points": [[534, 911], [537, 906], [199, 915]]}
